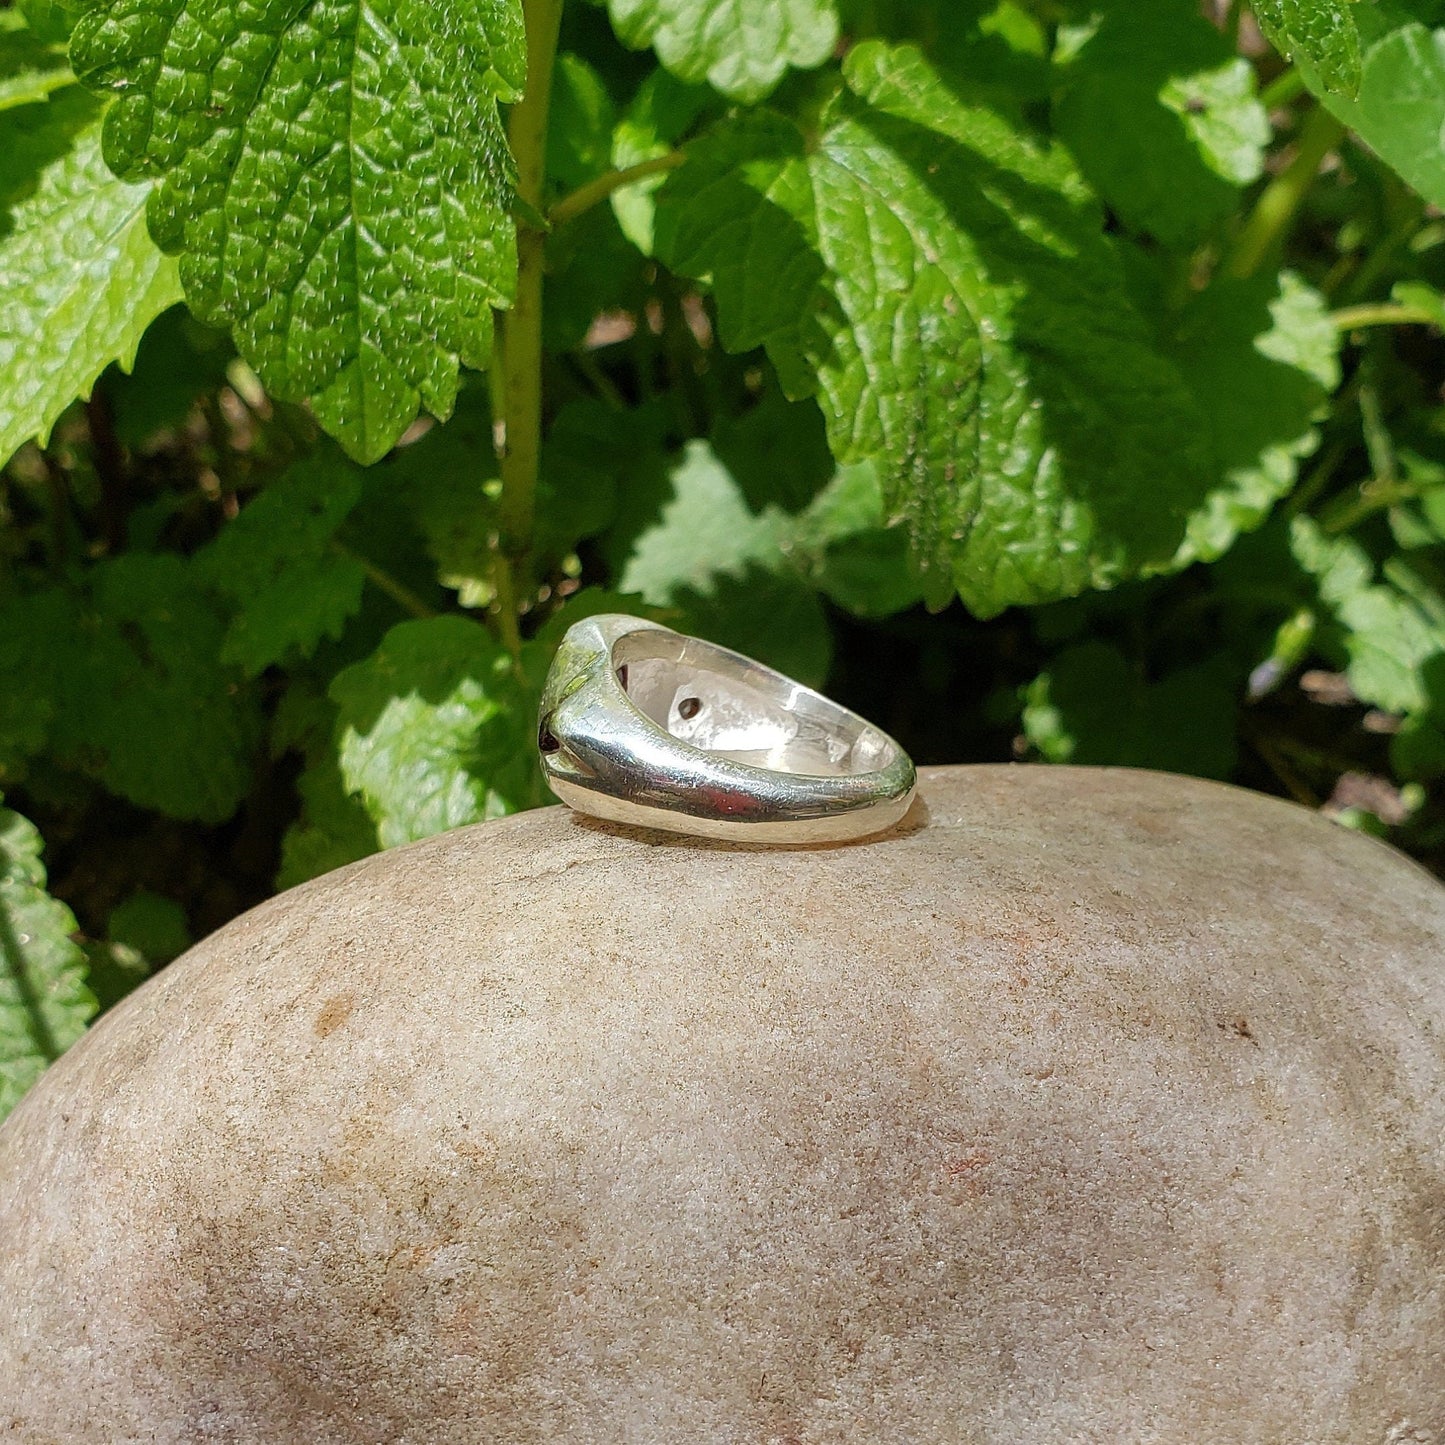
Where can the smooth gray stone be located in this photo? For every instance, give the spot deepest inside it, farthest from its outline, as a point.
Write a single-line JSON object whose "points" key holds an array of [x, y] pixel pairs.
{"points": [[1093, 1106]]}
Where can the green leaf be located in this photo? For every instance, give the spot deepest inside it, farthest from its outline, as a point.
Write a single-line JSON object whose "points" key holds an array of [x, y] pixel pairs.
{"points": [[51, 20], [777, 451], [997, 47], [36, 634], [704, 527], [1420, 297], [31, 67], [1393, 639], [281, 566], [446, 482], [592, 269], [1339, 565], [436, 730], [740, 47], [692, 546], [1390, 642], [80, 279], [1162, 117], [44, 1003], [1321, 34], [1432, 501], [836, 534], [336, 178], [178, 362], [333, 828], [1262, 357], [1093, 706], [663, 111], [113, 970], [155, 927], [1417, 751], [1398, 107], [591, 451], [143, 702], [854, 558], [943, 285], [579, 125]]}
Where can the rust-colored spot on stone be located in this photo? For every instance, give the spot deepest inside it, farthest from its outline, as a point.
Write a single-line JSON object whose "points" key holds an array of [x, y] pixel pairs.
{"points": [[334, 1012], [974, 1159], [1239, 1027]]}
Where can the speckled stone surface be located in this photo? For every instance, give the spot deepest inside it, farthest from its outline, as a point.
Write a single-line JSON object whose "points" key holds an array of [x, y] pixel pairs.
{"points": [[1090, 1106]]}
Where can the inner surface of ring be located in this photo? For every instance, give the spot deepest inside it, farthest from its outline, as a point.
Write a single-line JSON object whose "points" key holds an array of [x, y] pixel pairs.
{"points": [[735, 709]]}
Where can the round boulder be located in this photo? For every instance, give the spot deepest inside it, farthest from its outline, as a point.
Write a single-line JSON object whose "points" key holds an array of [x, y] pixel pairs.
{"points": [[1089, 1105]]}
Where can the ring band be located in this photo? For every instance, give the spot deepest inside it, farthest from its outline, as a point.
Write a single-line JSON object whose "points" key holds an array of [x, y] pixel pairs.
{"points": [[645, 726]]}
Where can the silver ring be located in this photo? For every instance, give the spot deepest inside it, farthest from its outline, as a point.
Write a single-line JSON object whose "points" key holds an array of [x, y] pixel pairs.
{"points": [[642, 725]]}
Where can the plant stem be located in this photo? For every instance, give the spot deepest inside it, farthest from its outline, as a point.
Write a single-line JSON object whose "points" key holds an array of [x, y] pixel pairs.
{"points": [[1384, 255], [506, 609], [58, 494], [399, 593], [1281, 767], [1376, 495], [1287, 86], [680, 351], [1379, 444], [1270, 219], [585, 197], [590, 370], [520, 333], [1381, 313], [109, 462], [1231, 23], [1318, 479]]}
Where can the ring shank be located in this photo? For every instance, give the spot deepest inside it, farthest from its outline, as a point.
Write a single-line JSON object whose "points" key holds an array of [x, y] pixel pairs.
{"points": [[641, 725]]}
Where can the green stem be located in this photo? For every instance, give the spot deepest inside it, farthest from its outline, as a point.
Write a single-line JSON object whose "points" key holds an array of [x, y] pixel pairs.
{"points": [[1381, 313], [58, 497], [109, 460], [590, 370], [1379, 444], [1320, 476], [1376, 495], [1231, 23], [1281, 767], [1285, 88], [1275, 209], [680, 351], [505, 605], [1385, 256], [520, 336], [399, 593], [585, 197]]}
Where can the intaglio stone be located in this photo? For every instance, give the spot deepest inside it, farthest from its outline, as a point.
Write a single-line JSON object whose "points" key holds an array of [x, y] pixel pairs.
{"points": [[1086, 1106]]}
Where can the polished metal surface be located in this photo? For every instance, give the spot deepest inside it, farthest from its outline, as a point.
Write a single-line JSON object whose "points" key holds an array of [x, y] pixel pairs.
{"points": [[642, 725]]}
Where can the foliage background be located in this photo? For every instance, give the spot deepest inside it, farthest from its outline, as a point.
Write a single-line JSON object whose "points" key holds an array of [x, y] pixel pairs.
{"points": [[1049, 381]]}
